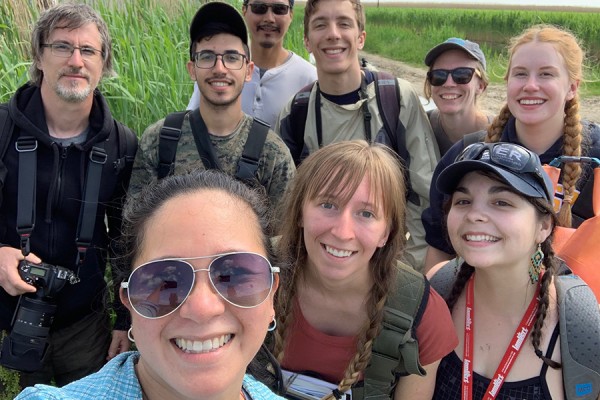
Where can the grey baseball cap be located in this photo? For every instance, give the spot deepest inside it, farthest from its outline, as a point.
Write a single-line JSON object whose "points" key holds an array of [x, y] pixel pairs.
{"points": [[471, 48]]}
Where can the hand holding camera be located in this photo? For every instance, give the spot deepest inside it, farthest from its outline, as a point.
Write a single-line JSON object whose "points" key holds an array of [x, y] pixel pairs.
{"points": [[10, 279], [24, 348]]}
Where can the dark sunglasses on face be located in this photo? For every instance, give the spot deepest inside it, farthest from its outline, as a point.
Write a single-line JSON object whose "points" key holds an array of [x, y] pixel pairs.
{"points": [[158, 288], [461, 76], [262, 8], [508, 156]]}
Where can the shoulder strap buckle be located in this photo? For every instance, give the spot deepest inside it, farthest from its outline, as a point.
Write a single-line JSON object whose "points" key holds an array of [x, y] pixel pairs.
{"points": [[26, 144], [98, 155]]}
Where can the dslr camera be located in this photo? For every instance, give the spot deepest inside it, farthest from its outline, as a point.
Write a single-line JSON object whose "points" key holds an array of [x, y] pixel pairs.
{"points": [[24, 348]]}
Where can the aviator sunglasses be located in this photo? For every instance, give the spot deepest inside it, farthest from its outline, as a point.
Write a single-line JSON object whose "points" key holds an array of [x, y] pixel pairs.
{"points": [[509, 156], [461, 76], [158, 288], [262, 8]]}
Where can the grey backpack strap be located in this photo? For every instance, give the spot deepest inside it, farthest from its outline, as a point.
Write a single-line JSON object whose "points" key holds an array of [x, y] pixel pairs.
{"points": [[579, 320], [444, 278]]}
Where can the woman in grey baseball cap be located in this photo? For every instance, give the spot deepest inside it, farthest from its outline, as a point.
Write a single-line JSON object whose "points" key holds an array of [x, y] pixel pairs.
{"points": [[455, 80]]}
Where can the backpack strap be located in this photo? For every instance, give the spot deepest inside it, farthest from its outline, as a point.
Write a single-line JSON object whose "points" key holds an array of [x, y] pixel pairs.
{"points": [[298, 114], [579, 325], [579, 322], [396, 350], [6, 129], [169, 136], [248, 164], [387, 93], [444, 278]]}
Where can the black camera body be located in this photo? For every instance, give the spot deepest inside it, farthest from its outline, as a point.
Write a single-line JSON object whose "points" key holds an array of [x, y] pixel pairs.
{"points": [[24, 348]]}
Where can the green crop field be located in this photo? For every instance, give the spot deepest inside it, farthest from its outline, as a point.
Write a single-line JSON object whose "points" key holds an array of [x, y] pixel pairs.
{"points": [[150, 40]]}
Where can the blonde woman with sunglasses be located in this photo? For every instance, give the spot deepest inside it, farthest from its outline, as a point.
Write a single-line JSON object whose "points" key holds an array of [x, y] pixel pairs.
{"points": [[455, 80], [200, 291]]}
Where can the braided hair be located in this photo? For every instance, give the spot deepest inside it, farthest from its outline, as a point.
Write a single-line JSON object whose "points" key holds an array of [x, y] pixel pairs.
{"points": [[551, 264], [337, 170], [567, 45]]}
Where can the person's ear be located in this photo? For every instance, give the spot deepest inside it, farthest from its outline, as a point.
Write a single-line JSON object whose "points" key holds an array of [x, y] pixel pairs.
{"points": [[191, 70], [249, 71], [573, 87], [124, 299], [545, 229]]}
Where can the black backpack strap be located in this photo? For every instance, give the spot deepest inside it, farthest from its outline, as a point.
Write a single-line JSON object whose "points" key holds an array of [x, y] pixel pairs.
{"points": [[396, 350], [203, 143], [248, 164], [579, 324], [26, 146], [89, 208], [6, 129], [297, 117], [169, 136]]}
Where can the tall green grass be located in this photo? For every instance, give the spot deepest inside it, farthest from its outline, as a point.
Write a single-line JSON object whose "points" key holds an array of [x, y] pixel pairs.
{"points": [[151, 45], [407, 34]]}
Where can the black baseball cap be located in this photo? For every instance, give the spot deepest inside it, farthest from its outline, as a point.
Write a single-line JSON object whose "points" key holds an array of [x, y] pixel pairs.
{"points": [[220, 15], [515, 165]]}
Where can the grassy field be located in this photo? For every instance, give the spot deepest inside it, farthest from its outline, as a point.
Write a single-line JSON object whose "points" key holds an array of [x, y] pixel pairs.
{"points": [[151, 44], [408, 33]]}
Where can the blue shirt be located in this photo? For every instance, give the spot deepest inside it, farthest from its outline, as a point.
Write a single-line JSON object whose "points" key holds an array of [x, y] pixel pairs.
{"points": [[117, 381]]}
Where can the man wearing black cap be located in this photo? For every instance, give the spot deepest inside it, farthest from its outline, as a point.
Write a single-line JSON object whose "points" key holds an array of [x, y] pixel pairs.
{"points": [[278, 72], [220, 65]]}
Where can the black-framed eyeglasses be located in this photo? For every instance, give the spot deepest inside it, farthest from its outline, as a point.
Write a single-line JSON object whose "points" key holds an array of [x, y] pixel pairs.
{"points": [[158, 288], [66, 50], [461, 76], [262, 8], [508, 156], [208, 59]]}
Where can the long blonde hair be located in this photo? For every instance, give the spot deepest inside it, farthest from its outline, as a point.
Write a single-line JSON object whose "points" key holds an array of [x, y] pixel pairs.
{"points": [[338, 169], [567, 45]]}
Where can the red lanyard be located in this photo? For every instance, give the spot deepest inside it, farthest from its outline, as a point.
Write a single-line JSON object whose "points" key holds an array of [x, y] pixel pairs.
{"points": [[510, 355]]}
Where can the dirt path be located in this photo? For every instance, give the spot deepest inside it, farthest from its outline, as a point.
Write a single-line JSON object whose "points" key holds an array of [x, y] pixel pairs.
{"points": [[491, 101]]}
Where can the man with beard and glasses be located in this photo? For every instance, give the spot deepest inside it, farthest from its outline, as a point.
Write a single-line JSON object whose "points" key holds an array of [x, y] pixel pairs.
{"points": [[278, 72], [64, 171], [220, 65]]}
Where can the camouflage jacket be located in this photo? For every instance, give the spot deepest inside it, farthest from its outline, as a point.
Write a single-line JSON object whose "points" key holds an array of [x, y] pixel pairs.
{"points": [[276, 166]]}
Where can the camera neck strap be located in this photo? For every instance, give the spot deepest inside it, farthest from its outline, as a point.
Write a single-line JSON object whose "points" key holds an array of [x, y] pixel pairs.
{"points": [[26, 147]]}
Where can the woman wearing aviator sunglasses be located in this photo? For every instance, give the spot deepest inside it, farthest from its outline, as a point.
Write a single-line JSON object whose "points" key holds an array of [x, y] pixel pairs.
{"points": [[542, 113], [200, 294], [455, 80], [503, 295]]}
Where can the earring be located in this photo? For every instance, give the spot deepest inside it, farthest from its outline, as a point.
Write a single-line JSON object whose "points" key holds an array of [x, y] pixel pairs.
{"points": [[272, 325], [536, 264], [130, 335]]}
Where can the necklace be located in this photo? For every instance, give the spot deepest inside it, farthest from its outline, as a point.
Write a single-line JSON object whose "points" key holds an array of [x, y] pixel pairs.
{"points": [[510, 355]]}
